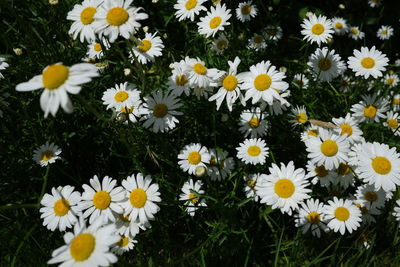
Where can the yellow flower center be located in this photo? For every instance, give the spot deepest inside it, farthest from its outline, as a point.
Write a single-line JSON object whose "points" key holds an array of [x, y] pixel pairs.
{"points": [[343, 169], [338, 25], [324, 64], [87, 15], [127, 110], [123, 218], [194, 158], [262, 82], [251, 183], [301, 118], [47, 155], [354, 31], [370, 111], [82, 246], [230, 82], [370, 196], [313, 217], [329, 148], [138, 198], [160, 110], [117, 16], [396, 101], [181, 80], [384, 32], [101, 200], [121, 96], [190, 4], [258, 39], [342, 214], [254, 122], [368, 62], [215, 22], [97, 47], [199, 69], [321, 171], [313, 132], [393, 123], [145, 47], [246, 10], [222, 44], [346, 129], [254, 151], [381, 165], [55, 76], [193, 198], [284, 188], [390, 81], [61, 207], [123, 242], [317, 29]]}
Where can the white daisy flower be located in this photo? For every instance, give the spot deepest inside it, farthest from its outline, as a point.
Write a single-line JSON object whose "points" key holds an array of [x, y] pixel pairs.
{"points": [[396, 210], [122, 96], [127, 227], [87, 246], [311, 217], [187, 9], [299, 115], [191, 192], [199, 75], [58, 80], [311, 131], [161, 115], [355, 151], [370, 108], [117, 17], [193, 156], [124, 244], [343, 176], [253, 151], [96, 49], [141, 197], [355, 33], [339, 25], [369, 197], [101, 199], [385, 32], [342, 214], [3, 65], [391, 79], [396, 102], [367, 213], [178, 82], [368, 62], [375, 3], [326, 65], [300, 80], [253, 122], [251, 183], [151, 48], [215, 20], [257, 42], [221, 166], [82, 16], [348, 126], [317, 29], [392, 122], [273, 33], [285, 188], [345, 83], [278, 105], [319, 174], [60, 208], [46, 154], [246, 11], [220, 44], [133, 112]]}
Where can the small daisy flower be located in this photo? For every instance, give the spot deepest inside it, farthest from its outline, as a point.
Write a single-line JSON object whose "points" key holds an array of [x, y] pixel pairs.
{"points": [[317, 29], [122, 96], [191, 192], [370, 108], [391, 79], [285, 188], [345, 83], [396, 210], [251, 183], [301, 81], [273, 33], [115, 18], [178, 82], [368, 196], [127, 227], [58, 80], [101, 199], [215, 20], [392, 122], [368, 62], [367, 213], [220, 44], [343, 176], [187, 9], [311, 131], [319, 174], [375, 3], [326, 65], [46, 154], [199, 75], [257, 42], [278, 105], [253, 122], [342, 214], [124, 244], [311, 217], [193, 156], [133, 112], [339, 25], [141, 196], [253, 151], [151, 48], [95, 49], [221, 166], [299, 115], [161, 115], [60, 208], [3, 65], [355, 33], [385, 32], [246, 11], [349, 127]]}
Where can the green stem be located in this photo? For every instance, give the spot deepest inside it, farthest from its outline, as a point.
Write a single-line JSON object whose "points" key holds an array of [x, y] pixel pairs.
{"points": [[19, 206], [46, 175], [22, 243]]}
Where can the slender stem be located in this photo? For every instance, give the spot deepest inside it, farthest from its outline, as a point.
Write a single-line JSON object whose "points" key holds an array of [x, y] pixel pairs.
{"points": [[46, 175], [22, 243]]}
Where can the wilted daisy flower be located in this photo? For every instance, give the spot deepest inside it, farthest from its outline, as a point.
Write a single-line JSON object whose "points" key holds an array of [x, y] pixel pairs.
{"points": [[115, 18], [264, 82], [370, 108], [385, 32], [349, 127], [325, 64], [87, 246], [253, 151], [193, 156], [285, 188], [392, 122], [220, 44], [83, 17], [151, 48], [102, 199], [46, 154], [220, 165], [95, 49], [122, 96], [368, 62], [396, 210], [379, 165], [391, 79], [141, 196], [257, 42], [310, 217], [328, 149], [355, 33], [311, 131], [343, 176], [214, 21], [251, 182], [342, 214], [368, 196], [317, 29], [191, 192], [58, 80], [187, 9], [161, 112], [339, 25], [319, 174], [301, 80], [198, 74], [124, 244], [253, 123], [375, 3], [273, 32], [3, 65], [299, 115], [246, 10], [60, 208]]}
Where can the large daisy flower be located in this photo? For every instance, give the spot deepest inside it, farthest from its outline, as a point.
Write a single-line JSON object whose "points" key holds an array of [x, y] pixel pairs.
{"points": [[253, 122], [46, 154], [326, 65], [342, 214], [317, 29], [214, 21], [187, 9], [253, 151], [190, 194], [368, 62], [150, 49], [311, 217], [193, 156], [370, 108]]}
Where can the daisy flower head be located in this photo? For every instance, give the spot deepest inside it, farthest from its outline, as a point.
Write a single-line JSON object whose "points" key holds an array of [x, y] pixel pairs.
{"points": [[339, 25], [199, 75], [273, 33], [82, 16], [251, 183], [161, 112], [319, 174], [299, 115], [379, 165], [391, 80], [264, 82], [342, 214], [141, 196], [60, 208], [348, 126], [311, 217], [178, 82], [132, 113], [96, 49], [368, 196], [221, 166], [253, 122], [102, 199], [392, 122], [58, 80], [215, 20], [121, 96], [193, 156], [191, 192], [3, 65], [343, 175], [187, 9], [367, 213], [385, 32], [116, 18], [375, 3], [328, 149], [150, 48], [370, 108], [246, 11], [311, 131], [127, 227], [345, 83], [317, 29], [368, 62], [301, 81], [285, 188], [46, 154], [124, 244], [87, 246], [278, 105], [355, 33], [253, 151], [220, 44], [257, 42], [326, 65]]}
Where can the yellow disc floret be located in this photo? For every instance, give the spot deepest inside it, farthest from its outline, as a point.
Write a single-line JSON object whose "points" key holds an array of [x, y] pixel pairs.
{"points": [[317, 29], [329, 148], [313, 217], [262, 82], [194, 158], [87, 15], [346, 129], [370, 111], [381, 165], [121, 96], [284, 188], [342, 214], [215, 22], [145, 47], [190, 4], [138, 198], [199, 69], [55, 76], [117, 16], [368, 62], [82, 246], [101, 200], [61, 207], [254, 151], [160, 110], [230, 82]]}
